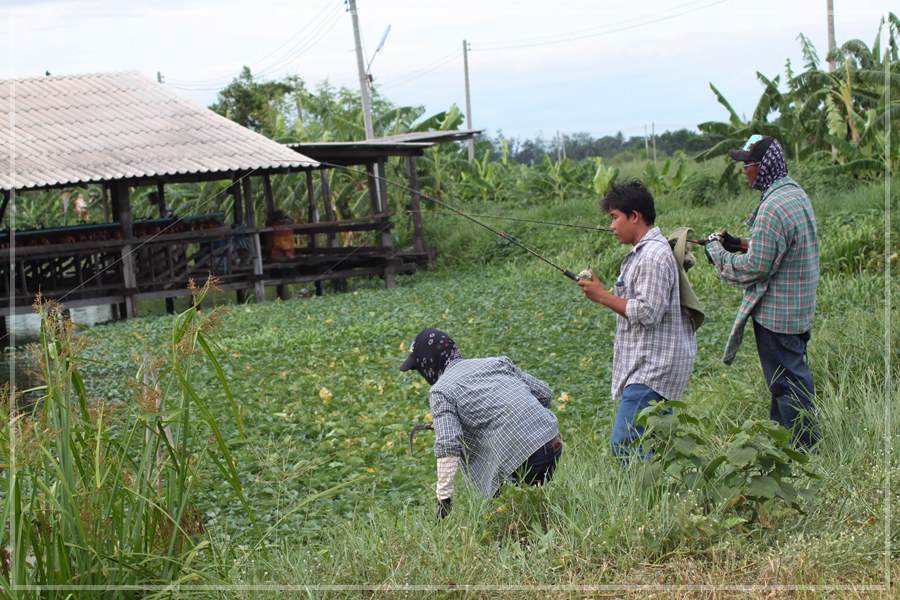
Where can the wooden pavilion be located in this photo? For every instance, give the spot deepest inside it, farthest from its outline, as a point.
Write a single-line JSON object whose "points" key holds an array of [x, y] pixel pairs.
{"points": [[124, 131]]}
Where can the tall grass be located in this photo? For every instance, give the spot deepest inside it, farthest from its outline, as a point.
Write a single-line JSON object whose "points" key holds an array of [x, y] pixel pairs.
{"points": [[99, 496], [322, 402]]}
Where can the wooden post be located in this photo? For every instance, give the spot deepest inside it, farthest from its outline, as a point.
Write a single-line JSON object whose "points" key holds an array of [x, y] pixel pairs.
{"points": [[387, 240], [372, 184], [236, 200], [161, 196], [313, 217], [255, 247], [105, 196], [339, 284], [238, 209], [5, 204], [418, 232], [270, 198], [122, 200]]}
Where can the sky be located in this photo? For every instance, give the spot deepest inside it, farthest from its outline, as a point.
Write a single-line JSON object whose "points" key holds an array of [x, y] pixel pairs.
{"points": [[536, 68]]}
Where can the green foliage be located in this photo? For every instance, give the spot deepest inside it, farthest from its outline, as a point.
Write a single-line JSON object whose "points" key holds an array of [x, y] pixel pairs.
{"points": [[322, 403], [669, 178], [605, 177], [756, 471], [852, 244], [759, 469], [837, 119], [104, 493], [701, 189]]}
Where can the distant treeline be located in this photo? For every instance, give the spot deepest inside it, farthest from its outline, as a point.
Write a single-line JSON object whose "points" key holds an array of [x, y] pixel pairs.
{"points": [[582, 145]]}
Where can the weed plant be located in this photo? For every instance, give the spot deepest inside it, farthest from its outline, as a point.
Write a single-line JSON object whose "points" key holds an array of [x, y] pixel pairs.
{"points": [[100, 495]]}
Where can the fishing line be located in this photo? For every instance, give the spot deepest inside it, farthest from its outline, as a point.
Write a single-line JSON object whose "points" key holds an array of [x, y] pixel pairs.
{"points": [[588, 227], [460, 213], [153, 237], [448, 207]]}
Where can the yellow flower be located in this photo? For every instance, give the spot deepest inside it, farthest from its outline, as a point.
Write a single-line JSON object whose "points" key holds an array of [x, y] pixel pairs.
{"points": [[283, 374], [324, 394], [362, 358], [429, 418], [402, 346], [329, 321], [564, 397], [235, 355], [390, 444], [501, 509], [331, 365], [370, 470]]}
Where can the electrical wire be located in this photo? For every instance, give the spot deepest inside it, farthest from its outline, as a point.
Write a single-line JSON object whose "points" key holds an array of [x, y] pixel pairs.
{"points": [[536, 221], [575, 36], [416, 74], [322, 24]]}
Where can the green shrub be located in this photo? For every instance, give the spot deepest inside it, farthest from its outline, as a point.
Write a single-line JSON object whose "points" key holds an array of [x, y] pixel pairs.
{"points": [[755, 473]]}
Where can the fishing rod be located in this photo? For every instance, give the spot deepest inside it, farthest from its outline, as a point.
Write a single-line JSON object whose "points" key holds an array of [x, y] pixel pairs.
{"points": [[588, 227], [583, 275]]}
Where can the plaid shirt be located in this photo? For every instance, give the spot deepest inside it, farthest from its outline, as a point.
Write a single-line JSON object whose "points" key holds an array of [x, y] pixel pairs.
{"points": [[655, 342], [780, 271], [493, 415]]}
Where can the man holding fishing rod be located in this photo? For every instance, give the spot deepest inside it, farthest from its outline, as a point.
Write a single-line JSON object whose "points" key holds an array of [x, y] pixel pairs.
{"points": [[490, 418], [779, 273], [655, 346]]}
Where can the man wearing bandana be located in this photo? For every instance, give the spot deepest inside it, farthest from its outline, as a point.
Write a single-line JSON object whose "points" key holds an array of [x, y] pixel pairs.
{"points": [[490, 417], [778, 269]]}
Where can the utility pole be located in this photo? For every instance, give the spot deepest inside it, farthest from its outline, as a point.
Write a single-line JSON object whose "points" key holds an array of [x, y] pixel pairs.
{"points": [[830, 8], [653, 135], [380, 199], [363, 78], [471, 142], [646, 143]]}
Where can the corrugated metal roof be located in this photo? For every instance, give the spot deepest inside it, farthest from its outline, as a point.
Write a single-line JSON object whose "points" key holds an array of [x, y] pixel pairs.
{"points": [[78, 129], [431, 137], [366, 151]]}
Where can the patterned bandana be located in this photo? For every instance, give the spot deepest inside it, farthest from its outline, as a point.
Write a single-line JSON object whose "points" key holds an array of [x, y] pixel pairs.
{"points": [[432, 350], [771, 167]]}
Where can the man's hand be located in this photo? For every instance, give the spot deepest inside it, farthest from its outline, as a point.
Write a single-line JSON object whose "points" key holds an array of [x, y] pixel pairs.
{"points": [[732, 243], [442, 509], [729, 242], [592, 288]]}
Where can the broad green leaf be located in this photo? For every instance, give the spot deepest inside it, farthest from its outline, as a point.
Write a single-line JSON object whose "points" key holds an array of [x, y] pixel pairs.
{"points": [[764, 487]]}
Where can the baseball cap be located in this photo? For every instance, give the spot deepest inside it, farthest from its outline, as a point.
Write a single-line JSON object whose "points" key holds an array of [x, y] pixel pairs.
{"points": [[753, 150]]}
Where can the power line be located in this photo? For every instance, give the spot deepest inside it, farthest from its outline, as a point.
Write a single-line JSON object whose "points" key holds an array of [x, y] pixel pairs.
{"points": [[580, 35], [319, 26], [416, 74]]}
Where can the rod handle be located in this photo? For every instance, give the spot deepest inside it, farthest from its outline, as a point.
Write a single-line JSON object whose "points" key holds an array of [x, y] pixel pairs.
{"points": [[570, 274]]}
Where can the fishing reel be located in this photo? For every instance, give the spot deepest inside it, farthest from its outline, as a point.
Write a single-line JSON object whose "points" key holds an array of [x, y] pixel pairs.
{"points": [[585, 275]]}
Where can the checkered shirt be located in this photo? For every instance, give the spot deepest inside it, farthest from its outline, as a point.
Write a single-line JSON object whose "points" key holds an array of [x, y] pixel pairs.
{"points": [[655, 342], [491, 414], [780, 270]]}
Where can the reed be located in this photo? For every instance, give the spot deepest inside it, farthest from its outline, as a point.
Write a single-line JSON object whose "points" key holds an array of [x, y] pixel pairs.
{"points": [[98, 496]]}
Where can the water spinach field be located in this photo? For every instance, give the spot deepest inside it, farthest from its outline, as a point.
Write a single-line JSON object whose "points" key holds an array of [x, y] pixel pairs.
{"points": [[279, 456]]}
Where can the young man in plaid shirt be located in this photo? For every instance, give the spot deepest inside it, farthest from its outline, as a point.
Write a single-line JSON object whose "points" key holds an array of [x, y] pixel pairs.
{"points": [[778, 269], [655, 346], [490, 418]]}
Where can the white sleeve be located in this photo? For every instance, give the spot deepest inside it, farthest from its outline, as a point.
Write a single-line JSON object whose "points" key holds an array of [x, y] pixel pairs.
{"points": [[446, 473]]}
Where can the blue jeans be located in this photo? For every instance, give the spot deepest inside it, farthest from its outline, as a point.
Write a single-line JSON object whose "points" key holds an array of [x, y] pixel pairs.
{"points": [[635, 398], [783, 360]]}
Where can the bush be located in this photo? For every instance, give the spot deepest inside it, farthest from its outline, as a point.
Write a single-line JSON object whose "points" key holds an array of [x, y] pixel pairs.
{"points": [[701, 189]]}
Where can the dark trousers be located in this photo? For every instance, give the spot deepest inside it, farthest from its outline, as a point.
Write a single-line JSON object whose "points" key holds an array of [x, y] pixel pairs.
{"points": [[783, 360], [539, 467]]}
